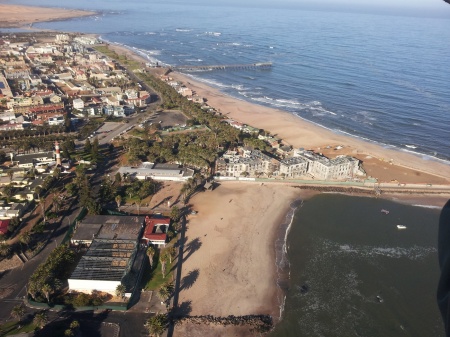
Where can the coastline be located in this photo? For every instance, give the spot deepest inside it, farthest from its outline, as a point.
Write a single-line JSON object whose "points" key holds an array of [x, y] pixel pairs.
{"points": [[237, 226], [18, 16], [387, 164]]}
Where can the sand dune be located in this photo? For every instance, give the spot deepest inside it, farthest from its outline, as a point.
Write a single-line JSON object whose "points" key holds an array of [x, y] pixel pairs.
{"points": [[18, 16]]}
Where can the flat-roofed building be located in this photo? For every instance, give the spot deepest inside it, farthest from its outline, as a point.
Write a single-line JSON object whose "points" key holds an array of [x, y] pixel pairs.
{"points": [[293, 167], [114, 256], [168, 172], [34, 159]]}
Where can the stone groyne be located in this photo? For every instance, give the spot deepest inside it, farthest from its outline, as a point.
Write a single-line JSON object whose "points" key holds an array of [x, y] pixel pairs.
{"points": [[257, 323]]}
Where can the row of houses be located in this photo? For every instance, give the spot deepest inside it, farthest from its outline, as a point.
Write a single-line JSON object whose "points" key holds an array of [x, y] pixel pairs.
{"points": [[249, 162], [46, 75]]}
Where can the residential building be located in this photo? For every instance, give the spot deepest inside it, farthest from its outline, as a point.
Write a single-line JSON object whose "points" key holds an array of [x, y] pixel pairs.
{"points": [[293, 167], [156, 230]]}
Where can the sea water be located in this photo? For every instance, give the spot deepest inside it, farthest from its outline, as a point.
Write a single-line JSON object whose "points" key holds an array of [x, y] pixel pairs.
{"points": [[383, 78], [354, 273]]}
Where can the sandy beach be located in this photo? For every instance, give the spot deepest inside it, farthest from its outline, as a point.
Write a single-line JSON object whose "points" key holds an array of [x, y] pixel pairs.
{"points": [[13, 16], [232, 270], [383, 163]]}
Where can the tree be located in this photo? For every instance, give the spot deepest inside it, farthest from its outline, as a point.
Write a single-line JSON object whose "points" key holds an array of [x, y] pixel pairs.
{"points": [[163, 257], [8, 191], [40, 319], [175, 213], [47, 290], [18, 312], [74, 325], [94, 149], [118, 200], [42, 204], [120, 290], [151, 253], [166, 291], [172, 252], [69, 333], [87, 146], [118, 179], [5, 249], [25, 238], [157, 324], [57, 202], [38, 191], [10, 175]]}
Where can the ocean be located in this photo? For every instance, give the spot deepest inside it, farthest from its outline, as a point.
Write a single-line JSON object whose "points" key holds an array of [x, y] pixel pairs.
{"points": [[354, 273], [377, 77]]}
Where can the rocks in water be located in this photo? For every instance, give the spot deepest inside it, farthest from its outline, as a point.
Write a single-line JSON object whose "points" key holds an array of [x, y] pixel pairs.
{"points": [[304, 289]]}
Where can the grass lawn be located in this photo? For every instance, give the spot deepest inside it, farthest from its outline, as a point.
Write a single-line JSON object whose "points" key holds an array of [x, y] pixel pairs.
{"points": [[11, 328], [120, 58], [153, 279]]}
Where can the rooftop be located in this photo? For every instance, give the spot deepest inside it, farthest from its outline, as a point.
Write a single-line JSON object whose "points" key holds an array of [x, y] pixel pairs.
{"points": [[107, 260], [113, 226]]}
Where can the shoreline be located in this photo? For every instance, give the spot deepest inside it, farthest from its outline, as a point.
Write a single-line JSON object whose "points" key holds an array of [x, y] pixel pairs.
{"points": [[239, 225], [386, 163], [282, 264], [23, 17]]}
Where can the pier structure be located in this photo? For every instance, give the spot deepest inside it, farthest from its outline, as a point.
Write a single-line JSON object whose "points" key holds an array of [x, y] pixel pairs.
{"points": [[259, 65]]}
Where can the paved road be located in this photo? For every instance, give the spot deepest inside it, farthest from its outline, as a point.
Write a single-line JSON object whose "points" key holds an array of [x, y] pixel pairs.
{"points": [[16, 279]]}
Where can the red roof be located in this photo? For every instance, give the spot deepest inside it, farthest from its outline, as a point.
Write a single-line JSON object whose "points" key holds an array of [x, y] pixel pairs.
{"points": [[150, 223], [4, 226]]}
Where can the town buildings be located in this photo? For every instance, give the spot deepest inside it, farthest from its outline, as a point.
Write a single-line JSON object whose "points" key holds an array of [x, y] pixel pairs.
{"points": [[303, 164]]}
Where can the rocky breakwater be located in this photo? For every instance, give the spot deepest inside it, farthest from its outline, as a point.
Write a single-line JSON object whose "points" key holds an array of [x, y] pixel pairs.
{"points": [[256, 323]]}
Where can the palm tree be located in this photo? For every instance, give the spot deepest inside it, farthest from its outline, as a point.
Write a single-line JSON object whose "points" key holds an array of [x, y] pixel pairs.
{"points": [[163, 260], [172, 252], [18, 312], [10, 175], [156, 324], [166, 291], [175, 213], [120, 290], [69, 333], [5, 249], [56, 200], [40, 319], [47, 290], [42, 204], [118, 200], [74, 325], [25, 238], [151, 253]]}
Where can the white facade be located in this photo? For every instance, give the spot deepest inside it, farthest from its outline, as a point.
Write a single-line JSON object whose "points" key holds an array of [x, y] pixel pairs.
{"points": [[78, 104], [87, 286], [293, 167]]}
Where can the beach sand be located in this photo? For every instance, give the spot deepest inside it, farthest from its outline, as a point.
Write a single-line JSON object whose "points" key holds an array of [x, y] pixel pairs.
{"points": [[231, 268], [13, 16], [385, 164]]}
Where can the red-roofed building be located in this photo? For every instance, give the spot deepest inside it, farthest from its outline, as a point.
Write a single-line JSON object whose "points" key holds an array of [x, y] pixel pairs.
{"points": [[4, 226], [156, 230]]}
